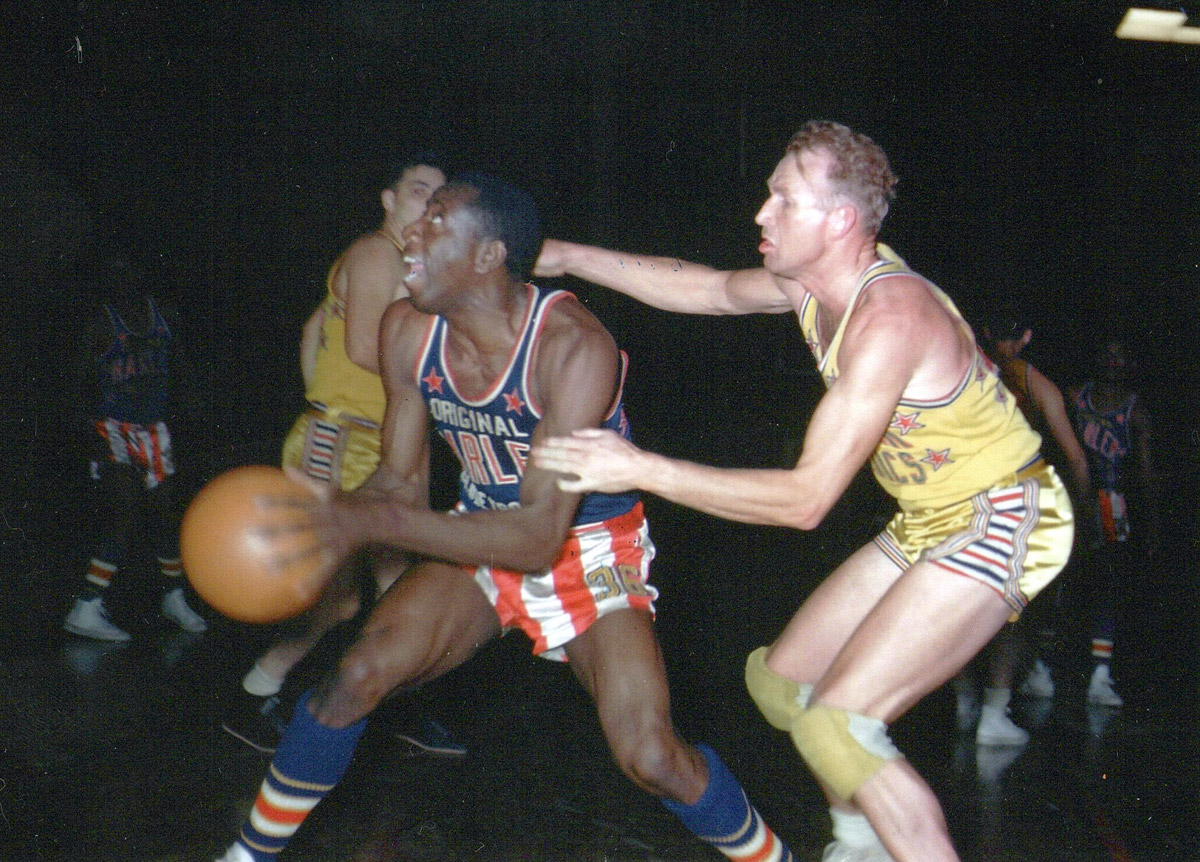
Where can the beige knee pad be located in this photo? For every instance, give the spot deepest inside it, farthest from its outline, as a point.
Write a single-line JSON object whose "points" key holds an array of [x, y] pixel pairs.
{"points": [[843, 749], [778, 698]]}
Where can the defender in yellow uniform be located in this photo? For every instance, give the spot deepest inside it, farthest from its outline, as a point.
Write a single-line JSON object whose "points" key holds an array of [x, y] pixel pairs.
{"points": [[966, 470], [337, 440], [983, 524]]}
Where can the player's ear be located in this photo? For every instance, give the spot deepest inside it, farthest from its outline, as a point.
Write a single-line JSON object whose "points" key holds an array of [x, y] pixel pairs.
{"points": [[490, 254], [387, 197], [842, 220], [1026, 337]]}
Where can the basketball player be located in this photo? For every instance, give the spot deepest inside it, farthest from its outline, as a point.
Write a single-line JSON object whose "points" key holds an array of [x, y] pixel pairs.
{"points": [[125, 403], [1115, 428], [336, 440], [1044, 407], [498, 364], [983, 524]]}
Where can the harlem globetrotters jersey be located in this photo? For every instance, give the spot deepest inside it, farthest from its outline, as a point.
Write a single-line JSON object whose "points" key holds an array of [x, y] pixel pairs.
{"points": [[943, 451], [490, 435], [135, 371], [1107, 437]]}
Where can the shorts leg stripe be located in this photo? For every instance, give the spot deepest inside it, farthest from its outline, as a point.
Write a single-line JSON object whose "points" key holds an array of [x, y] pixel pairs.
{"points": [[994, 553]]}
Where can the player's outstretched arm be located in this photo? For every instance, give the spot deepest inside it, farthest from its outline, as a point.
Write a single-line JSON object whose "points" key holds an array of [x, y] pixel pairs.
{"points": [[665, 282], [843, 432]]}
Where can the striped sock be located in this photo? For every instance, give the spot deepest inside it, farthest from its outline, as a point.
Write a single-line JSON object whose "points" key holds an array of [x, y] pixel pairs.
{"points": [[1102, 649], [100, 573], [170, 567], [310, 760], [724, 818]]}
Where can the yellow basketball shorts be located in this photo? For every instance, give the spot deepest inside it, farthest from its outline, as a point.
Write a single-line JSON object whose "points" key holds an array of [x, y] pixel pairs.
{"points": [[342, 453], [1014, 537]]}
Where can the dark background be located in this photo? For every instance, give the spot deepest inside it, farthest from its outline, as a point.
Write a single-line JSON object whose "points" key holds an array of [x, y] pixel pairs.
{"points": [[232, 149]]}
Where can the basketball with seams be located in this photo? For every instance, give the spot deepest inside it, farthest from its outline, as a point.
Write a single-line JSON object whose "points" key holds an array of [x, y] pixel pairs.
{"points": [[248, 547]]}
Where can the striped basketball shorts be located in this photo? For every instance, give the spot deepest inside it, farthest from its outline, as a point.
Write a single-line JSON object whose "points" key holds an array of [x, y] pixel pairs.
{"points": [[332, 449], [1014, 538], [603, 567], [147, 447]]}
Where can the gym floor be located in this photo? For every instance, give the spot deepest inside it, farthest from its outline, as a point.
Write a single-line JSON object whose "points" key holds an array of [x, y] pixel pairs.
{"points": [[114, 753]]}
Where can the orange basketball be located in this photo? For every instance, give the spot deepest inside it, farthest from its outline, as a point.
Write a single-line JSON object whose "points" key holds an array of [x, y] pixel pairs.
{"points": [[230, 563]]}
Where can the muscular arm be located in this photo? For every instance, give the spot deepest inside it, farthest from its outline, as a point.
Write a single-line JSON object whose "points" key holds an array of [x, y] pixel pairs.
{"points": [[575, 373], [880, 355], [1050, 404], [666, 283], [372, 273]]}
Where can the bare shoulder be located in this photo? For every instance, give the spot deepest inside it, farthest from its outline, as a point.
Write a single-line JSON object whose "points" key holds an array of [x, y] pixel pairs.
{"points": [[903, 322], [902, 306], [574, 348], [401, 333], [568, 323], [375, 250]]}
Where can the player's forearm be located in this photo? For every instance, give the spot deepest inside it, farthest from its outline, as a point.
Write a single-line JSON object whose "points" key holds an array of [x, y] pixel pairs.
{"points": [[662, 282], [501, 538], [754, 496]]}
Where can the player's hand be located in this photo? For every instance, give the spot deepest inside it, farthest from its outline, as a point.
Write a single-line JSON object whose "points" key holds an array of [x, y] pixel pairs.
{"points": [[551, 262], [591, 459], [316, 514]]}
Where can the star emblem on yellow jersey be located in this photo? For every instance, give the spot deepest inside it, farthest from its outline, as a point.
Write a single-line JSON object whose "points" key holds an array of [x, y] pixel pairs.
{"points": [[937, 458], [905, 422]]}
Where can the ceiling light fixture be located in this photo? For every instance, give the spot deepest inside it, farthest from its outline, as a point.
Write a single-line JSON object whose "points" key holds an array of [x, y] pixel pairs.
{"points": [[1157, 25]]}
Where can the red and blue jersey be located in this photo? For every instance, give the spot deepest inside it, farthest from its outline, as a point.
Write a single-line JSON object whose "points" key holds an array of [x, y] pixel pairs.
{"points": [[135, 374], [1107, 437], [490, 434]]}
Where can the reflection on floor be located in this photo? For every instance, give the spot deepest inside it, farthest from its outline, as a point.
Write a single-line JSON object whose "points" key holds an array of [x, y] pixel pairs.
{"points": [[114, 753]]}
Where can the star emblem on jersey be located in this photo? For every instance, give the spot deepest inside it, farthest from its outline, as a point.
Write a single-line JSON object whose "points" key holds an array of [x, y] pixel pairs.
{"points": [[905, 422], [513, 402], [433, 380], [937, 459]]}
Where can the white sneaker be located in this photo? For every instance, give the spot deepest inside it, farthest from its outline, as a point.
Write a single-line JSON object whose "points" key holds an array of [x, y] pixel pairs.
{"points": [[236, 853], [89, 618], [839, 851], [1039, 683], [1100, 689], [997, 728], [175, 607]]}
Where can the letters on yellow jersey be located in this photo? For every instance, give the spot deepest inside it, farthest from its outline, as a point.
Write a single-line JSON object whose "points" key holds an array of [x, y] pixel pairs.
{"points": [[898, 460]]}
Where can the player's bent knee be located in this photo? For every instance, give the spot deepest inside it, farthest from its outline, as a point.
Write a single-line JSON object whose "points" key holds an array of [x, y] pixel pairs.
{"points": [[843, 749], [778, 698], [649, 762], [361, 681]]}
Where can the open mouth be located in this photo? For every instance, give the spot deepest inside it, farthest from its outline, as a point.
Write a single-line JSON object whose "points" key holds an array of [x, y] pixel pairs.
{"points": [[415, 266]]}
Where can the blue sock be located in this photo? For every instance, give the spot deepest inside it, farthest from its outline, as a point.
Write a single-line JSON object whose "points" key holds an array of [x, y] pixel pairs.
{"points": [[724, 818], [309, 762]]}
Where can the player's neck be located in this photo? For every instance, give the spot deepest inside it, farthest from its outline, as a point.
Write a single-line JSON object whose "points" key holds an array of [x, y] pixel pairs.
{"points": [[392, 232], [492, 318], [833, 280]]}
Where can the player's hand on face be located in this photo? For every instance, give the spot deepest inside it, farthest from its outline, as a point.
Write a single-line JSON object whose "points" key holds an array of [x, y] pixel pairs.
{"points": [[591, 459]]}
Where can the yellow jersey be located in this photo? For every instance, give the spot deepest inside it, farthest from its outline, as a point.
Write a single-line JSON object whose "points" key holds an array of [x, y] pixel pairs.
{"points": [[338, 386], [938, 452]]}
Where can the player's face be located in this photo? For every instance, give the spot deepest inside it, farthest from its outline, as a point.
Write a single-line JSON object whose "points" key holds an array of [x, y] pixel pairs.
{"points": [[409, 196], [794, 213], [440, 249]]}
